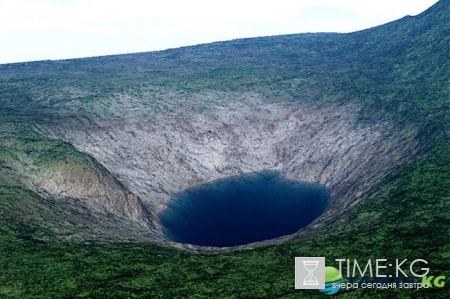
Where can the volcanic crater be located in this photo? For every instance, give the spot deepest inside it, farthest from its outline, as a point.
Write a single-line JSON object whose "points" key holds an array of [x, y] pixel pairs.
{"points": [[161, 154]]}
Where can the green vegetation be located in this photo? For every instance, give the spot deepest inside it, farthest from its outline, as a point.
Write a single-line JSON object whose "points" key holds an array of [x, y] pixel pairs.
{"points": [[23, 151], [398, 72], [408, 218]]}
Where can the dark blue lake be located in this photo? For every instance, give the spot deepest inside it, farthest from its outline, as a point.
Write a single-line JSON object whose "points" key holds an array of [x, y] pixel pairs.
{"points": [[242, 209]]}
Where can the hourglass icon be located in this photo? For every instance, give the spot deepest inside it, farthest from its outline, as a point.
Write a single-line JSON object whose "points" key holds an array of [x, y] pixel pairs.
{"points": [[310, 279]]}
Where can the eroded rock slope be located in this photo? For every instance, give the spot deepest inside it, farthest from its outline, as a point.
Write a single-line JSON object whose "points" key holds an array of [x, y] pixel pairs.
{"points": [[160, 156]]}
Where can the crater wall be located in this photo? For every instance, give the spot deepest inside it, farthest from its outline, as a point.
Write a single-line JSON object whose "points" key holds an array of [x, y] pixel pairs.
{"points": [[156, 157]]}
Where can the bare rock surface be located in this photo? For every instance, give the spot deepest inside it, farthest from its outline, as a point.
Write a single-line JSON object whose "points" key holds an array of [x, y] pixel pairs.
{"points": [[158, 155]]}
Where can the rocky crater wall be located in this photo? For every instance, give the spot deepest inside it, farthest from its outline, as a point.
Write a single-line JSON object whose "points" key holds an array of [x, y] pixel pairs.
{"points": [[156, 157]]}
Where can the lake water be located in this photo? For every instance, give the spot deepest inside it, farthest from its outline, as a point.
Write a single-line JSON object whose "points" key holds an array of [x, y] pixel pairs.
{"points": [[242, 209]]}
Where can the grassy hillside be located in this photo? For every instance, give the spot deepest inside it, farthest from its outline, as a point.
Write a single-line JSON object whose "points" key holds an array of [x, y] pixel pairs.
{"points": [[400, 69], [398, 72], [408, 218]]}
